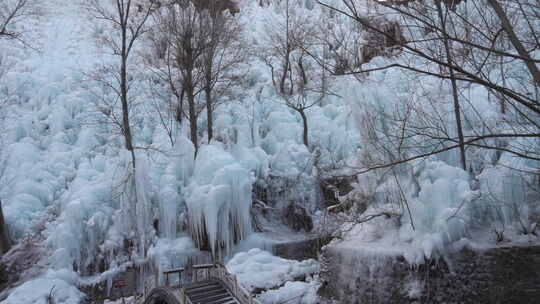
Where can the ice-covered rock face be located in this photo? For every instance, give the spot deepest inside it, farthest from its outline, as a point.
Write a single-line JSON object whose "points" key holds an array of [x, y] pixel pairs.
{"points": [[67, 174], [435, 214], [508, 198], [438, 210], [219, 200]]}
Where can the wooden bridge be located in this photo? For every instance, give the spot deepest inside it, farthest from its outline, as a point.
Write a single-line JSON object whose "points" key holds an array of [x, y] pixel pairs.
{"points": [[198, 284]]}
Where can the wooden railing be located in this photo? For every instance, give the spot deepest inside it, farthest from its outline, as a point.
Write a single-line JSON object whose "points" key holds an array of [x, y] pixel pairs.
{"points": [[206, 272], [231, 282], [198, 273]]}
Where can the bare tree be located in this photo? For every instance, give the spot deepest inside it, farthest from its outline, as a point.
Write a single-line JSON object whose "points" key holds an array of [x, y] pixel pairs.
{"points": [[455, 94], [128, 18], [166, 84], [462, 43], [195, 50], [13, 12], [127, 24], [181, 40], [294, 74], [221, 55]]}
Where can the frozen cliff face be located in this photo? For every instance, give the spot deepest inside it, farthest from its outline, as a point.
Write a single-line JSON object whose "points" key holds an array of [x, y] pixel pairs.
{"points": [[422, 216]]}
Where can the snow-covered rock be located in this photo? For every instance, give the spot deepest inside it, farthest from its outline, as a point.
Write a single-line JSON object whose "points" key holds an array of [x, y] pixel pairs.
{"points": [[258, 269], [292, 292], [60, 286]]}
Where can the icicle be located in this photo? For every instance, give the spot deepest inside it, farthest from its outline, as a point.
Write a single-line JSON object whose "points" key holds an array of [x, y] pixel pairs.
{"points": [[135, 205], [219, 201], [142, 205]]}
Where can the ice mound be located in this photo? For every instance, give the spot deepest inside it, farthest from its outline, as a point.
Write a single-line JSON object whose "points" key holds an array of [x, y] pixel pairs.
{"points": [[260, 269]]}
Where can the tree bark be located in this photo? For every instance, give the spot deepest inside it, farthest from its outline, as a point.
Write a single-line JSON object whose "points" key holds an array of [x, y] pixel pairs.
{"points": [[286, 67], [455, 95], [208, 72], [192, 117], [179, 107], [124, 85], [5, 243], [305, 125], [125, 110], [209, 114]]}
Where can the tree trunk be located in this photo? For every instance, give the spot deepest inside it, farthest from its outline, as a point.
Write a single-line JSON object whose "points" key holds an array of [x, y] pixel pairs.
{"points": [[209, 114], [508, 28], [124, 95], [5, 243], [305, 125], [455, 95], [324, 81], [192, 117], [286, 63], [179, 107], [284, 75]]}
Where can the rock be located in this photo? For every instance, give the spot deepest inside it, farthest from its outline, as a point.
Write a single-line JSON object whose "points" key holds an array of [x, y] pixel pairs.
{"points": [[301, 250], [498, 275], [333, 188], [4, 276], [297, 218]]}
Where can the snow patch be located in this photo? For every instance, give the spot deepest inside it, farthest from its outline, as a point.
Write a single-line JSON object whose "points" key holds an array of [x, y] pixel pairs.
{"points": [[292, 293], [60, 284], [260, 269]]}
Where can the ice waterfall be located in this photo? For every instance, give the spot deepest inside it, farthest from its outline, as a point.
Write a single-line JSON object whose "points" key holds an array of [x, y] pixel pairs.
{"points": [[219, 201]]}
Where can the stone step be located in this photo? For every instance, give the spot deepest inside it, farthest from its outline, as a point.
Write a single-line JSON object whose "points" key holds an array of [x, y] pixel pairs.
{"points": [[221, 292], [205, 291], [213, 298], [229, 300], [204, 283], [209, 292], [203, 288], [208, 285]]}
